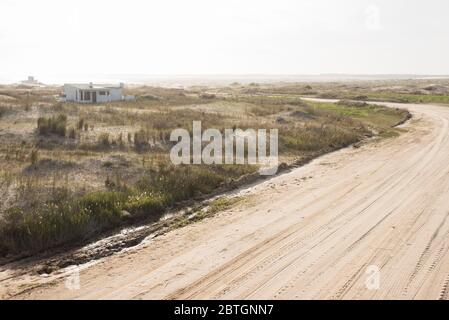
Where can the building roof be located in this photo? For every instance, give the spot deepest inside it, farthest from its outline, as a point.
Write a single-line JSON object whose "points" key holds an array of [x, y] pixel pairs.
{"points": [[93, 86]]}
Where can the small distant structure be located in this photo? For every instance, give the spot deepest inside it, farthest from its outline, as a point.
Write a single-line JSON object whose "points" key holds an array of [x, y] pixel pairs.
{"points": [[31, 81], [94, 93]]}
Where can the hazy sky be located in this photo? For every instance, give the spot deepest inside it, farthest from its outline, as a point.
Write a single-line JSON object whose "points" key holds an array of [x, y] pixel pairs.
{"points": [[50, 37]]}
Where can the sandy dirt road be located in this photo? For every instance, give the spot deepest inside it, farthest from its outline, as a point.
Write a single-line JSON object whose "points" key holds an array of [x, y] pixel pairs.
{"points": [[317, 232]]}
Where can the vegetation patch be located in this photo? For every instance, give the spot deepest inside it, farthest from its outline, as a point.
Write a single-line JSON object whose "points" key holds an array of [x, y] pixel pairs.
{"points": [[53, 125], [113, 169]]}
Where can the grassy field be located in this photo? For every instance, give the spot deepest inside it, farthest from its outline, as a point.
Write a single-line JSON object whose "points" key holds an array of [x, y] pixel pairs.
{"points": [[400, 91], [389, 97], [71, 172]]}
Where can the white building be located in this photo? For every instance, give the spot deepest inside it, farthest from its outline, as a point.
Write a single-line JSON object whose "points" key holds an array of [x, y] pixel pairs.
{"points": [[31, 81], [93, 93]]}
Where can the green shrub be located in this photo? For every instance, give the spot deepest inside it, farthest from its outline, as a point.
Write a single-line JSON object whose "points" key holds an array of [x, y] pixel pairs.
{"points": [[104, 208], [34, 157], [145, 205], [61, 221], [54, 125], [208, 96], [107, 164], [141, 138], [81, 124], [3, 110], [103, 140], [72, 133]]}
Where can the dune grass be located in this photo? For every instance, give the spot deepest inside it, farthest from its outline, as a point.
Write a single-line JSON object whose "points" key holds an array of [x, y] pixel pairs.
{"points": [[125, 146], [66, 218]]}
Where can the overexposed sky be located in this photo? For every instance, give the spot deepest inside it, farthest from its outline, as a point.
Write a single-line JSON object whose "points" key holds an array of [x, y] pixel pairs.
{"points": [[50, 38]]}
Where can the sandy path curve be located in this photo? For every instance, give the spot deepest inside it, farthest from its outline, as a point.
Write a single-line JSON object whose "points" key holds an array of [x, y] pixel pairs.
{"points": [[318, 232]]}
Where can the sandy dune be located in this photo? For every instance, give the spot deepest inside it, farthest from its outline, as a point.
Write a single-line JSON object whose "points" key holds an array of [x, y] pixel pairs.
{"points": [[314, 233]]}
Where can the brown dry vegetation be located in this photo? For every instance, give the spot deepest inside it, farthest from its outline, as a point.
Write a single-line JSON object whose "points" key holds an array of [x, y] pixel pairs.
{"points": [[70, 172]]}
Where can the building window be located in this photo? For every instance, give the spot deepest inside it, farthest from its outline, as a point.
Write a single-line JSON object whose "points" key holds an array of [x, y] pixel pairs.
{"points": [[87, 96], [102, 93]]}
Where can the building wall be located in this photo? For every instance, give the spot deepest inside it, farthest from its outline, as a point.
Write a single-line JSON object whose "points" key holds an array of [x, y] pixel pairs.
{"points": [[115, 94], [70, 93], [74, 95], [102, 99]]}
